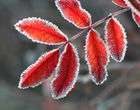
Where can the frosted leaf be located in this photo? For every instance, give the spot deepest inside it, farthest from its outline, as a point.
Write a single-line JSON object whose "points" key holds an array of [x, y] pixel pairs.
{"points": [[41, 31], [136, 18], [66, 73], [72, 11], [97, 57], [40, 70], [116, 39], [120, 3], [134, 5]]}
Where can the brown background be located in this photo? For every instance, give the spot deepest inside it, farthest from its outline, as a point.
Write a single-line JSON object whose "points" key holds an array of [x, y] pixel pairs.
{"points": [[120, 92]]}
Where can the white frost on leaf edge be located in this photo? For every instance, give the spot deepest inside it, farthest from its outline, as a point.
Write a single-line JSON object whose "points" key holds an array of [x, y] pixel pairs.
{"points": [[58, 7], [125, 41], [89, 66], [132, 7], [42, 20], [32, 66], [69, 88], [135, 19], [117, 4]]}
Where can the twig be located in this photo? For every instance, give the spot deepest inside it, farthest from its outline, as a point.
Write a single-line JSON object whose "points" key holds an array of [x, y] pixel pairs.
{"points": [[113, 86], [108, 17], [123, 104], [109, 89], [113, 66], [94, 25]]}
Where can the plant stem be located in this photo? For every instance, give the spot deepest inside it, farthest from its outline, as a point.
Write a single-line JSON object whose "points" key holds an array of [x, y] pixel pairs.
{"points": [[108, 17], [95, 25]]}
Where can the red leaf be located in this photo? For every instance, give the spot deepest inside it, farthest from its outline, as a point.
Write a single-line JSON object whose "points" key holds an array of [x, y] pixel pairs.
{"points": [[40, 31], [96, 56], [116, 39], [40, 70], [120, 3], [134, 5], [66, 73], [72, 11], [136, 18]]}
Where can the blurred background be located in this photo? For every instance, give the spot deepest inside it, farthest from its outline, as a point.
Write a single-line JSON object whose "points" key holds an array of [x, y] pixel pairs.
{"points": [[120, 92]]}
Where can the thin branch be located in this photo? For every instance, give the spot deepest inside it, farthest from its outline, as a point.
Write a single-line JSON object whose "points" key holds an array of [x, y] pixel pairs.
{"points": [[78, 34], [124, 102], [108, 17], [74, 37], [94, 25], [113, 86], [109, 89], [111, 67]]}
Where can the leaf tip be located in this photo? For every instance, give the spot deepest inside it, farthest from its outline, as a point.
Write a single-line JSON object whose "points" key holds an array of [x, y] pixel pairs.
{"points": [[136, 18], [21, 84], [120, 3], [99, 80]]}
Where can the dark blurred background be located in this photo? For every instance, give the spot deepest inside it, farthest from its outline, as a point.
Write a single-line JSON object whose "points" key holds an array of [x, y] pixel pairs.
{"points": [[120, 92]]}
